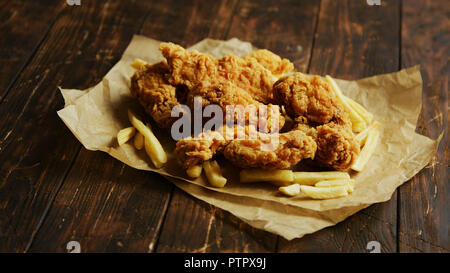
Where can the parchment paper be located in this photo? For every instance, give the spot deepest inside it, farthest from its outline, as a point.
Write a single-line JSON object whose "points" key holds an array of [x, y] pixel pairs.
{"points": [[96, 114]]}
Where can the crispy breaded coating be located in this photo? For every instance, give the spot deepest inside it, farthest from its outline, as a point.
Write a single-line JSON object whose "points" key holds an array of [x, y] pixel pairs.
{"points": [[194, 68], [221, 94], [155, 93], [336, 146], [192, 151], [272, 61], [292, 147], [309, 97], [226, 95]]}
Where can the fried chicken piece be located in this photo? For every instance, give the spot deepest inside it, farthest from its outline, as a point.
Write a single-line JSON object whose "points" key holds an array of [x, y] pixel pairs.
{"points": [[336, 145], [309, 97], [228, 96], [292, 147], [194, 68], [271, 61], [221, 94], [192, 151], [155, 93]]}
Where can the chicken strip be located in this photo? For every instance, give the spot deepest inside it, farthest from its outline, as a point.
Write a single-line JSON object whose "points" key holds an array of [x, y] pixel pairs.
{"points": [[292, 147], [309, 97], [194, 68], [271, 61], [155, 93]]}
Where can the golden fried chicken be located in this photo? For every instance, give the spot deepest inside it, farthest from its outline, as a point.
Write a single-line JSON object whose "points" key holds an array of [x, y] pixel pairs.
{"points": [[322, 128], [194, 68], [192, 151], [271, 61], [319, 114], [292, 147], [336, 146], [155, 93], [309, 97], [227, 96]]}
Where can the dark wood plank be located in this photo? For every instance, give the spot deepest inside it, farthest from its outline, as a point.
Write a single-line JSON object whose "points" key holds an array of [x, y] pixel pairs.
{"points": [[106, 206], [37, 149], [285, 27], [423, 211], [354, 40], [23, 26], [193, 226]]}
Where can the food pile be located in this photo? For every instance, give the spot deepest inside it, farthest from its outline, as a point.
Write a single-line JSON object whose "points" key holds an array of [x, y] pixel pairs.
{"points": [[294, 117]]}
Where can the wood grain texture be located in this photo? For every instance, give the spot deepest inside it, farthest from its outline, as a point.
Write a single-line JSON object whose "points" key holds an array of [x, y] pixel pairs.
{"points": [[36, 148], [194, 226], [423, 211], [285, 27], [23, 26], [354, 40], [210, 229], [106, 206], [52, 190]]}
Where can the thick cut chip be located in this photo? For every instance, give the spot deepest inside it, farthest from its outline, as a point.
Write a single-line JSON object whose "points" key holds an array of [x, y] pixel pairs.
{"points": [[125, 134], [139, 141], [277, 177], [194, 171], [291, 190], [349, 183], [324, 193], [366, 115], [214, 174], [367, 150], [311, 178], [152, 145]]}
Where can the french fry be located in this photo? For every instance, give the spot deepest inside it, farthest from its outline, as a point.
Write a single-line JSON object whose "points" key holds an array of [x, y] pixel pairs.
{"points": [[291, 190], [214, 174], [152, 146], [311, 178], [361, 137], [349, 183], [125, 134], [139, 141], [324, 193], [366, 115], [367, 150], [276, 177], [138, 63], [358, 123], [194, 171]]}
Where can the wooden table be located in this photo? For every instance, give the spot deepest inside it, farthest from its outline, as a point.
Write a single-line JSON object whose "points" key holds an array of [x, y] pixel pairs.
{"points": [[52, 190]]}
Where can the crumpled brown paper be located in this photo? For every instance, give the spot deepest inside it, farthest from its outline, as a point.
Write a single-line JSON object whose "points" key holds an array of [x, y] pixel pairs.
{"points": [[96, 115]]}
